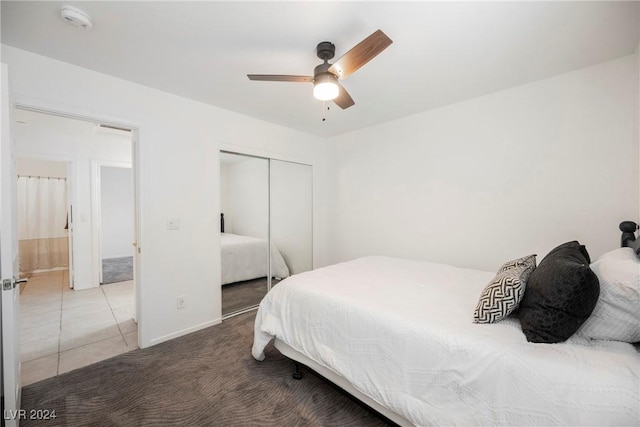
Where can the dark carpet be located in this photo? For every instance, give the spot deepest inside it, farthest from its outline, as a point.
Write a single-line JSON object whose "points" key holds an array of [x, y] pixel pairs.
{"points": [[117, 270], [207, 378], [240, 295]]}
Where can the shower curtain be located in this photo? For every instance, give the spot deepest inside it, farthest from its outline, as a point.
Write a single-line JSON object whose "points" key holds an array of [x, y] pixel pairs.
{"points": [[42, 223]]}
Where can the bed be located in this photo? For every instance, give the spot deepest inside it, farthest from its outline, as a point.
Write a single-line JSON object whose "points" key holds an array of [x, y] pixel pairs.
{"points": [[398, 334]]}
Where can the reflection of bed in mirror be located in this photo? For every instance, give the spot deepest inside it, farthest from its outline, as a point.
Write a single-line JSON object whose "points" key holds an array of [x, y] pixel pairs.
{"points": [[245, 258]]}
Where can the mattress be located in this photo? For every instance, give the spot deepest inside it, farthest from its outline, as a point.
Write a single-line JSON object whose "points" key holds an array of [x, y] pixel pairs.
{"points": [[245, 258], [401, 333]]}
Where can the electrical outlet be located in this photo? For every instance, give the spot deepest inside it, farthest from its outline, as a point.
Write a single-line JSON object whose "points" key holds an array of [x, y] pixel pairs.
{"points": [[173, 224], [180, 302]]}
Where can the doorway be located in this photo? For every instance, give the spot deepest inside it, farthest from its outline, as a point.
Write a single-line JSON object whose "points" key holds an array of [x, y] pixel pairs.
{"points": [[64, 328], [43, 216], [114, 224]]}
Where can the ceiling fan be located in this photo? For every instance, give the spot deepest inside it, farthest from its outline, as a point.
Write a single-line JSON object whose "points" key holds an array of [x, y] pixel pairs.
{"points": [[325, 76]]}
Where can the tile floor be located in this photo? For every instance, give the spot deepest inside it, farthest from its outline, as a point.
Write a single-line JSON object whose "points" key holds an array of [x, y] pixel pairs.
{"points": [[62, 329]]}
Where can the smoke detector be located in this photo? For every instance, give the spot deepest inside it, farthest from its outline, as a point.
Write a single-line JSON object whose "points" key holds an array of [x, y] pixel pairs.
{"points": [[76, 17]]}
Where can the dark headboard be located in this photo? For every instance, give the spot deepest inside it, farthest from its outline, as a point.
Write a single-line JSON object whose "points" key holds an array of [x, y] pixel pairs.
{"points": [[221, 222], [628, 238]]}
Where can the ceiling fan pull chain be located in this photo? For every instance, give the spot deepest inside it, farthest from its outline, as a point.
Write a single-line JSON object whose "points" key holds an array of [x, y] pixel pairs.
{"points": [[325, 109]]}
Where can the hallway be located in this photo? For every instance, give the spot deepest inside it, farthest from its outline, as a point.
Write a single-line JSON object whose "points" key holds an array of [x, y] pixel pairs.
{"points": [[62, 329]]}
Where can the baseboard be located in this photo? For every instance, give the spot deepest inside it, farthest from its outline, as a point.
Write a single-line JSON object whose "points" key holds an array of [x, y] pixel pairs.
{"points": [[180, 333], [116, 257], [45, 270]]}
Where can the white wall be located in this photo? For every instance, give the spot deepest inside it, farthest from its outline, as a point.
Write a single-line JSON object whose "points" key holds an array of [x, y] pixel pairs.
{"points": [[470, 184], [179, 143], [39, 167], [483, 181], [44, 136], [116, 194]]}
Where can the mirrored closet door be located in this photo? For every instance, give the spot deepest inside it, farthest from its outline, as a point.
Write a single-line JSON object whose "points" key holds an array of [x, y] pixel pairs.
{"points": [[266, 215], [291, 214], [244, 200]]}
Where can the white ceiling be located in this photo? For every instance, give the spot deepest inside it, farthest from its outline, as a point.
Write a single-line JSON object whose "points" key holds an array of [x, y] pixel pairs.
{"points": [[443, 52]]}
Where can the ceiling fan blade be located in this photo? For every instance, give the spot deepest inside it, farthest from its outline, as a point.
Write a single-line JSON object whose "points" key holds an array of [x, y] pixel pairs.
{"points": [[360, 54], [343, 100], [280, 78]]}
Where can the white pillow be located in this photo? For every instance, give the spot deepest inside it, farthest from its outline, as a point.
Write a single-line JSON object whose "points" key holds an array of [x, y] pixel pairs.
{"points": [[616, 316]]}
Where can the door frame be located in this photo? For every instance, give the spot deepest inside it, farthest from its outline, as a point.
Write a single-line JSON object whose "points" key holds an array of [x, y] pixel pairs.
{"points": [[11, 371], [137, 166]]}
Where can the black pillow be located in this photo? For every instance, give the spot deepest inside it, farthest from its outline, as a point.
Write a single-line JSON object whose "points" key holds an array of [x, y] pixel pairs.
{"points": [[560, 295]]}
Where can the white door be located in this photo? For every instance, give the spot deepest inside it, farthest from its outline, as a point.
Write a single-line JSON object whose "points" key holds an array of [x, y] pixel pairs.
{"points": [[9, 263]]}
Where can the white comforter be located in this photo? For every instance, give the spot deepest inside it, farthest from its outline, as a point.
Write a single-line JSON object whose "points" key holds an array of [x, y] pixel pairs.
{"points": [[245, 258], [402, 333]]}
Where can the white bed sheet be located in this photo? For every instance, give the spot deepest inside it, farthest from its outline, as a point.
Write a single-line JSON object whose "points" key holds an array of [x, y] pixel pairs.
{"points": [[245, 258], [402, 333]]}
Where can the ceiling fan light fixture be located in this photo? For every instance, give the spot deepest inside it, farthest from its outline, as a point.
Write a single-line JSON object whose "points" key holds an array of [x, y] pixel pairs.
{"points": [[325, 87], [325, 76]]}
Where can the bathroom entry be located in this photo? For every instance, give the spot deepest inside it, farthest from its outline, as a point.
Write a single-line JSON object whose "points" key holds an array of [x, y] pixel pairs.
{"points": [[43, 215]]}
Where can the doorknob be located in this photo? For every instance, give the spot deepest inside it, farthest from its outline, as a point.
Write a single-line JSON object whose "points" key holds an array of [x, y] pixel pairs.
{"points": [[8, 284]]}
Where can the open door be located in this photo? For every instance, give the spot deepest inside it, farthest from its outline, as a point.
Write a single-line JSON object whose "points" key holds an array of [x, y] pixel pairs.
{"points": [[9, 264], [70, 225]]}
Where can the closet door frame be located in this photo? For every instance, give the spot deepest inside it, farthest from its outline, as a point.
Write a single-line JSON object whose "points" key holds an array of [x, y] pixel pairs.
{"points": [[269, 157]]}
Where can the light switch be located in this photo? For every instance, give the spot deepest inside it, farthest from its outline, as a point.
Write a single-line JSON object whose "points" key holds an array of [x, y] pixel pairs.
{"points": [[173, 224]]}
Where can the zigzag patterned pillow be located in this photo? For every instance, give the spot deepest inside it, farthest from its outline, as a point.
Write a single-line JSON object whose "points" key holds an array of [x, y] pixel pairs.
{"points": [[503, 294], [525, 260]]}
